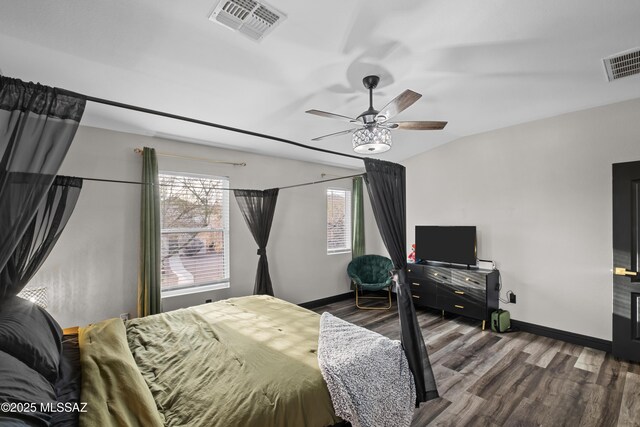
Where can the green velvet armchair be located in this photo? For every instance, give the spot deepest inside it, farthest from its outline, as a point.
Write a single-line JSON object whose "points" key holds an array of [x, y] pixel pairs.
{"points": [[371, 273]]}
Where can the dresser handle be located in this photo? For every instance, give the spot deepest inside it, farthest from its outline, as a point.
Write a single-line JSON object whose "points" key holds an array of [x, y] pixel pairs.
{"points": [[415, 284], [416, 296], [459, 292], [459, 306]]}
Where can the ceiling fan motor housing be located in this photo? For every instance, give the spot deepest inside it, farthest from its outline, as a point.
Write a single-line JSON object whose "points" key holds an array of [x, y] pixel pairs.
{"points": [[368, 117], [371, 82]]}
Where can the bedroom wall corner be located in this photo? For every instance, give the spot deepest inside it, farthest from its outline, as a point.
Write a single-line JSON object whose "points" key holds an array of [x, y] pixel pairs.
{"points": [[540, 195]]}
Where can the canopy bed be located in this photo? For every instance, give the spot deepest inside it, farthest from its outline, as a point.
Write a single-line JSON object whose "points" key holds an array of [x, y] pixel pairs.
{"points": [[244, 361]]}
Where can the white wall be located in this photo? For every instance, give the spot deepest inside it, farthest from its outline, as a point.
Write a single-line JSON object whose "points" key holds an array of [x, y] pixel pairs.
{"points": [[92, 272], [540, 195]]}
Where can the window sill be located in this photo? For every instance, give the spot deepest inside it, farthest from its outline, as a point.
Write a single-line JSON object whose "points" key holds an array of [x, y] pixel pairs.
{"points": [[194, 290]]}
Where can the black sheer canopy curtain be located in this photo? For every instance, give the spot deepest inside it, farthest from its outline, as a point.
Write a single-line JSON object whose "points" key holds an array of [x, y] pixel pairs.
{"points": [[41, 235], [386, 184], [37, 125], [258, 207]]}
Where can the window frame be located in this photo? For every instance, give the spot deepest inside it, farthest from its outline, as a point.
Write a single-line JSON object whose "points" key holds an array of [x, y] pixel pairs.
{"points": [[206, 286], [348, 221]]}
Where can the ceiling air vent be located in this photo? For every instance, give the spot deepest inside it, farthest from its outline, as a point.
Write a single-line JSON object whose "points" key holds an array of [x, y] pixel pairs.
{"points": [[622, 64], [254, 19]]}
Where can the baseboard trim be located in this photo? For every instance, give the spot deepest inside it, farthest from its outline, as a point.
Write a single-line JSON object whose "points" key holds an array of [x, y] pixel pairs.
{"points": [[570, 337], [327, 300]]}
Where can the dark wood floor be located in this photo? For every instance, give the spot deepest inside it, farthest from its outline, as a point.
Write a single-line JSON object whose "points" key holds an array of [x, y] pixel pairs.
{"points": [[514, 379]]}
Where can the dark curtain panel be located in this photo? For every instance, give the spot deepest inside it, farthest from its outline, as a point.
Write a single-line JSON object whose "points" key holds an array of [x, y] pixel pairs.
{"points": [[387, 190], [37, 125], [149, 270], [357, 216], [41, 235], [257, 208]]}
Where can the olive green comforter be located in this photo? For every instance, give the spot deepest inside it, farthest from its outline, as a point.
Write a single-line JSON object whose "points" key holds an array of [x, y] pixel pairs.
{"points": [[248, 361]]}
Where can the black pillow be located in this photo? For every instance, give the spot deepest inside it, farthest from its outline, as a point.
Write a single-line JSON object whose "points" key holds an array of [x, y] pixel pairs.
{"points": [[21, 384], [31, 335]]}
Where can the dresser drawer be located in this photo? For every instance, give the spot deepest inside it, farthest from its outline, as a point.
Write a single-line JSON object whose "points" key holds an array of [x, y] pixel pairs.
{"points": [[462, 307], [468, 279], [467, 295], [426, 300], [423, 287], [416, 270], [439, 274]]}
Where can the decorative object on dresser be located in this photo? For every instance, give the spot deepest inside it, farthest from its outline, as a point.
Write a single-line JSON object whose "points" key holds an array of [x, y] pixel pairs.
{"points": [[470, 293]]}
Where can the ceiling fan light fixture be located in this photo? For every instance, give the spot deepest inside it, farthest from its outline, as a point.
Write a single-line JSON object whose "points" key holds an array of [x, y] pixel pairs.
{"points": [[372, 140]]}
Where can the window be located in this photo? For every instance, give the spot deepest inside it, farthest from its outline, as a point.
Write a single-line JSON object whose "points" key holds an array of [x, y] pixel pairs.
{"points": [[194, 214], [338, 221]]}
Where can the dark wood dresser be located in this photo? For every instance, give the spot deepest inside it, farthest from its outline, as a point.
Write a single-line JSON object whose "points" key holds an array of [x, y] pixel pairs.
{"points": [[469, 293]]}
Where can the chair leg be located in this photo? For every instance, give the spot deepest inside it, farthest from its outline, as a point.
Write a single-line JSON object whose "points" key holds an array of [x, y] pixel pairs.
{"points": [[374, 308]]}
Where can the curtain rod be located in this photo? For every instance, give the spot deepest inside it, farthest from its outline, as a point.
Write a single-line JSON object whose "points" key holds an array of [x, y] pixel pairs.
{"points": [[321, 181], [200, 159], [200, 122], [117, 181]]}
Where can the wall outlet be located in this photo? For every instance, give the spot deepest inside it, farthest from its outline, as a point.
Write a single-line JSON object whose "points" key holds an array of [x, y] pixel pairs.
{"points": [[124, 316], [512, 298], [207, 300]]}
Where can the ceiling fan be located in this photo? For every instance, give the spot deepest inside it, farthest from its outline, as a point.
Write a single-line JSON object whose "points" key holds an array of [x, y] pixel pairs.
{"points": [[373, 134]]}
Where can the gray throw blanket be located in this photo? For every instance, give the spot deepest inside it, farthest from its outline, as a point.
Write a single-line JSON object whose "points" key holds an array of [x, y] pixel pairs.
{"points": [[366, 373]]}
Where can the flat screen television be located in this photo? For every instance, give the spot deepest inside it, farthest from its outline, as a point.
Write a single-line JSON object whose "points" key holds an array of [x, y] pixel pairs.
{"points": [[450, 244]]}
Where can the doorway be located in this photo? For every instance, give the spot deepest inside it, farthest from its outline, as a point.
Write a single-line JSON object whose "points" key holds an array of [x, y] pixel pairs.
{"points": [[626, 260]]}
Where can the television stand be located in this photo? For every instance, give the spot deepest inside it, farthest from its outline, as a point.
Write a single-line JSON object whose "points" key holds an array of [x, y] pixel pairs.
{"points": [[455, 289]]}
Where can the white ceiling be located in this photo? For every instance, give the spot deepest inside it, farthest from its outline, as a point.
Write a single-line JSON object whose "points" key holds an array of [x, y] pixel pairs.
{"points": [[479, 65]]}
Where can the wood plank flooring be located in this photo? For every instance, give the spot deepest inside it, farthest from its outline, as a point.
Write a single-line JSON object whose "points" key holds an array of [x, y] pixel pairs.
{"points": [[514, 379]]}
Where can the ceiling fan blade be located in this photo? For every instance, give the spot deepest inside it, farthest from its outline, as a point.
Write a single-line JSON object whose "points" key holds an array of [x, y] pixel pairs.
{"points": [[331, 115], [416, 125], [397, 105], [344, 132]]}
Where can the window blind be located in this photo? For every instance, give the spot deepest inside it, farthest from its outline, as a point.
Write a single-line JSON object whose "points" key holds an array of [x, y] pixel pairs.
{"points": [[338, 221], [194, 213]]}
